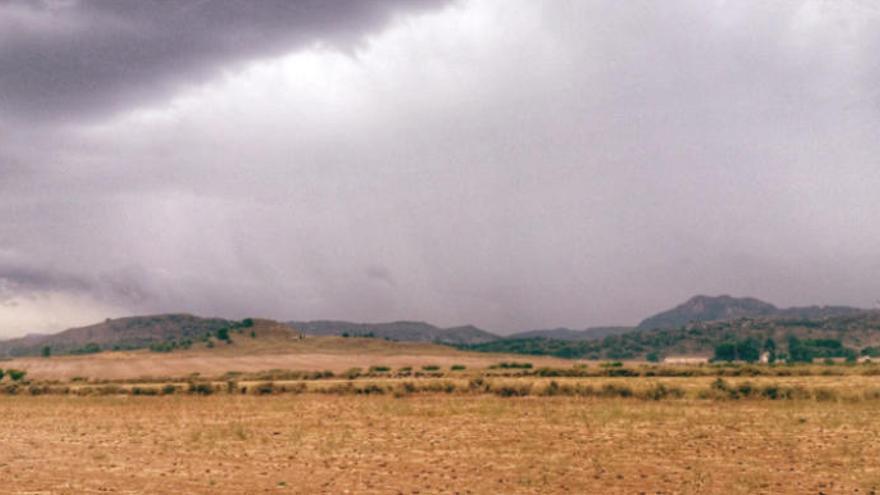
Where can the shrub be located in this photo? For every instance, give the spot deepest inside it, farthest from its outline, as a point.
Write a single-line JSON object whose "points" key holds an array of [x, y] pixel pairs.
{"points": [[614, 390], [513, 390], [430, 367], [621, 372], [352, 373], [16, 375], [2, 374], [144, 391], [379, 369], [478, 385], [405, 388], [660, 391], [265, 388], [457, 367], [200, 388], [369, 389], [169, 389], [512, 365]]}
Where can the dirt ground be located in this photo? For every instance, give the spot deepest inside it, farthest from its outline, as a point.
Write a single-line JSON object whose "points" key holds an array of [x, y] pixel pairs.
{"points": [[434, 444]]}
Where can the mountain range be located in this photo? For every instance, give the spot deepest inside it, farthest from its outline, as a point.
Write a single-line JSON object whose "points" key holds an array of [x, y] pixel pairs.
{"points": [[726, 308], [144, 331]]}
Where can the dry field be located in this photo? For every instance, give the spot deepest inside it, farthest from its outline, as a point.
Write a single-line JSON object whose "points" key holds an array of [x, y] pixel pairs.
{"points": [[314, 443], [312, 353], [802, 429]]}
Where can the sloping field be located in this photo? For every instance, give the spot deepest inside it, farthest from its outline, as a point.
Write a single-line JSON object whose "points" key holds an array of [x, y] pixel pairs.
{"points": [[248, 354]]}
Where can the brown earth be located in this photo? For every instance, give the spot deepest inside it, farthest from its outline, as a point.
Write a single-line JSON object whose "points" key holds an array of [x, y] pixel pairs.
{"points": [[314, 444]]}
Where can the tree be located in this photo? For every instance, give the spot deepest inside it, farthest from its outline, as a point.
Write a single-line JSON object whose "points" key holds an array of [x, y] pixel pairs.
{"points": [[653, 357], [798, 351], [2, 373], [770, 349], [47, 351], [223, 334], [748, 350], [725, 351]]}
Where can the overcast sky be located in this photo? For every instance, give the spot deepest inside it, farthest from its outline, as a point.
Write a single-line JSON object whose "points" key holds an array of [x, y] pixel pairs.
{"points": [[514, 164]]}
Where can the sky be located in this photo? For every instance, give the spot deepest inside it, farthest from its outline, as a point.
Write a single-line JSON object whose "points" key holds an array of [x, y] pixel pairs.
{"points": [[513, 164]]}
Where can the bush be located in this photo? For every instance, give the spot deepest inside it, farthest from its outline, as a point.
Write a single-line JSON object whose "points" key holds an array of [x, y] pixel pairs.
{"points": [[512, 390], [144, 391], [379, 369], [352, 373], [430, 367], [370, 389], [660, 391], [169, 389], [16, 375], [200, 388], [405, 388], [265, 388], [458, 367], [614, 390], [512, 365], [478, 385]]}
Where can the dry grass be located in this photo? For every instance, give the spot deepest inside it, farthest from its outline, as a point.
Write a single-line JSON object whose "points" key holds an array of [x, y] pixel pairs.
{"points": [[251, 355], [434, 444]]}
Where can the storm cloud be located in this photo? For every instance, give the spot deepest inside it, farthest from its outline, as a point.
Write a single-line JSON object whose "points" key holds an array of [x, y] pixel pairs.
{"points": [[66, 59], [509, 164]]}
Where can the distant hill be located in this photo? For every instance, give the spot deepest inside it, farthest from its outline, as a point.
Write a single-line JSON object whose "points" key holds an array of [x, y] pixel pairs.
{"points": [[726, 308], [119, 333], [413, 331], [592, 333], [857, 332]]}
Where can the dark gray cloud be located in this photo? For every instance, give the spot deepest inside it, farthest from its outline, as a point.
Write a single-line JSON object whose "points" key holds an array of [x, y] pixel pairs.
{"points": [[63, 59], [509, 164]]}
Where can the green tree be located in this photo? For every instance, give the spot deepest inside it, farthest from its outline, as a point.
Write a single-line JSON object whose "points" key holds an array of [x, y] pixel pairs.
{"points": [[770, 348], [748, 350], [223, 334], [798, 351], [47, 351], [725, 351], [653, 357]]}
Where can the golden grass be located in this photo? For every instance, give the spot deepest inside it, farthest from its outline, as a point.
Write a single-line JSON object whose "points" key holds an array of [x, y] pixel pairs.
{"points": [[252, 355], [318, 443]]}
